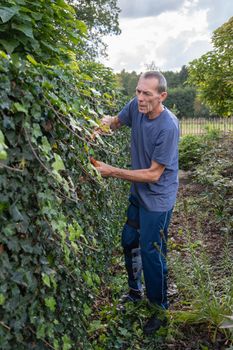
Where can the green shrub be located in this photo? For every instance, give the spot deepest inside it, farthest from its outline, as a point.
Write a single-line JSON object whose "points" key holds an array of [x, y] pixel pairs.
{"points": [[191, 148], [215, 171], [56, 243]]}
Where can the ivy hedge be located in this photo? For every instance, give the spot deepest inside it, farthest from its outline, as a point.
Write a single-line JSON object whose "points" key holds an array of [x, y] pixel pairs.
{"points": [[59, 220]]}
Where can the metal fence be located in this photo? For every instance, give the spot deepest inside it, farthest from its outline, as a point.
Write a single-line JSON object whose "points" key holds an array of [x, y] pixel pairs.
{"points": [[199, 126]]}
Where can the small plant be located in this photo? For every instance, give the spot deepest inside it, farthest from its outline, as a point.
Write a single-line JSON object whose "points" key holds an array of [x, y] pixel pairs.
{"points": [[191, 150]]}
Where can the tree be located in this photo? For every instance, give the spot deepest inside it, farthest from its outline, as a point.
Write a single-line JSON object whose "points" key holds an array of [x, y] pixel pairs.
{"points": [[101, 18], [128, 82], [183, 100], [173, 79], [212, 73], [183, 74], [151, 66]]}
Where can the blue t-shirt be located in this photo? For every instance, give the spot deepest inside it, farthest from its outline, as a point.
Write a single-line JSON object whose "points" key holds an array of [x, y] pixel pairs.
{"points": [[153, 139]]}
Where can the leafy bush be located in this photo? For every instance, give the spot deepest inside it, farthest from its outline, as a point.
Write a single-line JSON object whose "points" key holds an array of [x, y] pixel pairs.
{"points": [[55, 241], [209, 157], [215, 172], [191, 149], [53, 234]]}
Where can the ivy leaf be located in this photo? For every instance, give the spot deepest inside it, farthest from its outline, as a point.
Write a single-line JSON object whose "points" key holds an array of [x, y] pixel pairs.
{"points": [[9, 45], [3, 154], [15, 213], [75, 231], [2, 299], [6, 13], [45, 147], [66, 343], [86, 310], [36, 130], [58, 164], [40, 332], [50, 302], [2, 139], [36, 15], [24, 28], [46, 280], [95, 326], [32, 60], [20, 108]]}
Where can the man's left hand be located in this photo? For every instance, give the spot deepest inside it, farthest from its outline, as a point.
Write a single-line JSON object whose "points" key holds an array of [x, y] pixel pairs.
{"points": [[104, 169]]}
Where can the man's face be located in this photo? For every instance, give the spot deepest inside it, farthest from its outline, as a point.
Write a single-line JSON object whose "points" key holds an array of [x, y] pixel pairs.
{"points": [[148, 96]]}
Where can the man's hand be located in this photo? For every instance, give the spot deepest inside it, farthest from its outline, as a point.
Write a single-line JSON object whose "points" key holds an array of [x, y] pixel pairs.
{"points": [[107, 120], [104, 169], [112, 122]]}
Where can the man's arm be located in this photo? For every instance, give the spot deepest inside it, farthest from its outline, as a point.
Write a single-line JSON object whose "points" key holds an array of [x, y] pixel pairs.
{"points": [[149, 175]]}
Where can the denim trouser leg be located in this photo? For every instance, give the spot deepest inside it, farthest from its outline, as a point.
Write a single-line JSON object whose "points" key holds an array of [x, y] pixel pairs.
{"points": [[153, 243], [147, 247], [130, 244]]}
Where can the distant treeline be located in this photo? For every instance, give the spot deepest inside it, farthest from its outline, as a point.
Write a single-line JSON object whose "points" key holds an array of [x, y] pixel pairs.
{"points": [[182, 98]]}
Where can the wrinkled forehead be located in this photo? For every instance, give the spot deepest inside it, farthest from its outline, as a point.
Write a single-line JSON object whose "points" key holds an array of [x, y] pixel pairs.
{"points": [[148, 84]]}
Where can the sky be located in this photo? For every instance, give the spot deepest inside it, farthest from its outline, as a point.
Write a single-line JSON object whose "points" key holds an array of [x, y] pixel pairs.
{"points": [[170, 33]]}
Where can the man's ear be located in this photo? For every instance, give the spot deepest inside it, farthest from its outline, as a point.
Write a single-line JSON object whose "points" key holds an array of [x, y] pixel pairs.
{"points": [[163, 96]]}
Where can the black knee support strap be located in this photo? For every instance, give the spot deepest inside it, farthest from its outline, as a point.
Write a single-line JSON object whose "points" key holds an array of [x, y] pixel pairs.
{"points": [[133, 224]]}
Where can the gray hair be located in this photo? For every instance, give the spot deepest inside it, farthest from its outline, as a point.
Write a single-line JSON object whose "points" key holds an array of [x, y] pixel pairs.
{"points": [[162, 87]]}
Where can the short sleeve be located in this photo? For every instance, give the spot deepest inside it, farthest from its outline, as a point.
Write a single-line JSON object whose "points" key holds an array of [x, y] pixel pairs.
{"points": [[166, 148], [125, 115]]}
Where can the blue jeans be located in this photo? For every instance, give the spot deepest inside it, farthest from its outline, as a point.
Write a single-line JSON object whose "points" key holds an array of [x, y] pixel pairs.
{"points": [[144, 240]]}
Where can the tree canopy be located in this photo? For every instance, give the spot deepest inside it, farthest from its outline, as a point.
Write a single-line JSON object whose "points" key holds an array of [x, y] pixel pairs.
{"points": [[101, 18], [212, 73]]}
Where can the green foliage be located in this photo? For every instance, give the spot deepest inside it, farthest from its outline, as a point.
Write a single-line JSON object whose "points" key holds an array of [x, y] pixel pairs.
{"points": [[176, 79], [212, 73], [47, 30], [55, 239], [215, 172], [191, 149], [51, 228], [101, 18], [128, 82], [183, 98]]}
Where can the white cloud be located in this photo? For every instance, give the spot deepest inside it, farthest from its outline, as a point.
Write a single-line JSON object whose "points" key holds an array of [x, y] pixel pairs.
{"points": [[170, 39]]}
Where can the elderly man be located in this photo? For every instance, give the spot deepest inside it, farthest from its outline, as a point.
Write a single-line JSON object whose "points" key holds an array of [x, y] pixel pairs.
{"points": [[154, 185]]}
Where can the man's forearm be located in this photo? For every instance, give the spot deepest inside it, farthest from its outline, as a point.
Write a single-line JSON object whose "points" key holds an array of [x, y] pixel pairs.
{"points": [[140, 175]]}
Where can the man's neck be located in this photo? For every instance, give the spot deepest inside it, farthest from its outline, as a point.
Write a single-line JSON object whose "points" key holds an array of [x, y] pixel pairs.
{"points": [[156, 113]]}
